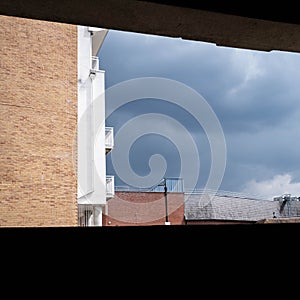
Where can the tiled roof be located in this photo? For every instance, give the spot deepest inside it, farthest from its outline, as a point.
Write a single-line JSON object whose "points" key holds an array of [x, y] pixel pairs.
{"points": [[214, 207]]}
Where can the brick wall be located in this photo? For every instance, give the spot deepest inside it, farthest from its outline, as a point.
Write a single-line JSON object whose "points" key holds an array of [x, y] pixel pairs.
{"points": [[38, 102], [144, 208]]}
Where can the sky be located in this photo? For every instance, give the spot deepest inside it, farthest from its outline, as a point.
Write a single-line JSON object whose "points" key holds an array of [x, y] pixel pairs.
{"points": [[218, 117]]}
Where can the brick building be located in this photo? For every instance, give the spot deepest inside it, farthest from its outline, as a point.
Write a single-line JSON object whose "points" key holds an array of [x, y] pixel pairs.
{"points": [[45, 86], [132, 208], [38, 121]]}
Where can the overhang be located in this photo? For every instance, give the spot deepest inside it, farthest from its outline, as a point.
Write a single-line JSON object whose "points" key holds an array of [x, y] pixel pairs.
{"points": [[274, 26]]}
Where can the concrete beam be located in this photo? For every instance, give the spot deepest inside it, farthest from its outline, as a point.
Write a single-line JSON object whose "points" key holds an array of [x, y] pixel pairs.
{"points": [[225, 25]]}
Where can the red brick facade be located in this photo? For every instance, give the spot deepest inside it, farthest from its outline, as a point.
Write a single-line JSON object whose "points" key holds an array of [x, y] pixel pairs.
{"points": [[38, 86], [144, 208]]}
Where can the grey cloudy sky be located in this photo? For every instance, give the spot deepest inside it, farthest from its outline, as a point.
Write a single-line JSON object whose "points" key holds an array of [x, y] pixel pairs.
{"points": [[255, 96]]}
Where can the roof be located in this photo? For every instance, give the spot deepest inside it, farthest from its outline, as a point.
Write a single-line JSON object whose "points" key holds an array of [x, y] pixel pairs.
{"points": [[215, 207]]}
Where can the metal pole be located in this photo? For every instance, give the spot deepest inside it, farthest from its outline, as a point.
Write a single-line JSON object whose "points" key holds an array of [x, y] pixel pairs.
{"points": [[166, 200]]}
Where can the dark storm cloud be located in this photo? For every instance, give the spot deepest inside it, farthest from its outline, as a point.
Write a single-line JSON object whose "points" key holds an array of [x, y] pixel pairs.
{"points": [[256, 96], [266, 99]]}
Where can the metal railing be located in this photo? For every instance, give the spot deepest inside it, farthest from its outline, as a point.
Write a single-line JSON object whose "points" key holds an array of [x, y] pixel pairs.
{"points": [[85, 212], [95, 63], [110, 186], [109, 139], [174, 185]]}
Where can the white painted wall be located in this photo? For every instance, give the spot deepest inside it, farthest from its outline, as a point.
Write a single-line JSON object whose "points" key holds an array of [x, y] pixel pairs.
{"points": [[91, 127]]}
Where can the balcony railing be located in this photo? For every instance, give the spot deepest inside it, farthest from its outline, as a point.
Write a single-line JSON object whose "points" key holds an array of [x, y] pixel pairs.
{"points": [[95, 63], [109, 139], [110, 186]]}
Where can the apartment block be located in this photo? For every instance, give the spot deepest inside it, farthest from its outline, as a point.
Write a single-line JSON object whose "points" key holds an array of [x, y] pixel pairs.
{"points": [[95, 140], [49, 77]]}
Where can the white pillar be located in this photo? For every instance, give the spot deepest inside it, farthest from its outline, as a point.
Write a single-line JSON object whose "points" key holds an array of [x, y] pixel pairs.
{"points": [[98, 216]]}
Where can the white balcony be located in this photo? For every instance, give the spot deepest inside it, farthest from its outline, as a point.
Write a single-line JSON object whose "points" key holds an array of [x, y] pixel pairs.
{"points": [[95, 63], [110, 186], [109, 139]]}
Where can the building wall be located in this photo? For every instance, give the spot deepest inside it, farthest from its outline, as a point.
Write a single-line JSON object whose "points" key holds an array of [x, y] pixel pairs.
{"points": [[280, 220], [38, 100], [91, 125], [216, 222], [144, 208], [91, 128]]}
